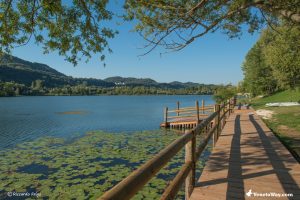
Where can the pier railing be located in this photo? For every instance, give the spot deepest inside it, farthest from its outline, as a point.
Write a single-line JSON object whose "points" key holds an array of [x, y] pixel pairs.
{"points": [[129, 186], [180, 115]]}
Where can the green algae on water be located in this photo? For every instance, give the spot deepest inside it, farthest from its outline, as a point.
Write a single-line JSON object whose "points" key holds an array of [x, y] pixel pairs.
{"points": [[87, 166]]}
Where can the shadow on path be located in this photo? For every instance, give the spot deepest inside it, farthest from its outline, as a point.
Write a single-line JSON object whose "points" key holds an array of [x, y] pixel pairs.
{"points": [[243, 161], [235, 170], [286, 180]]}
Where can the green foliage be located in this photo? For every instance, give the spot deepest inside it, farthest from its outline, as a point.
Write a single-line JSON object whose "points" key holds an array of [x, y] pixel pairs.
{"points": [[282, 96], [12, 89], [85, 167], [37, 84], [224, 93], [258, 75], [79, 28], [282, 52], [176, 24], [273, 63], [74, 29], [128, 90]]}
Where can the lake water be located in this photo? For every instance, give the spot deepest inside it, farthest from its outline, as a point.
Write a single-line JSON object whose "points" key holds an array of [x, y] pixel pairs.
{"points": [[122, 133], [28, 118]]}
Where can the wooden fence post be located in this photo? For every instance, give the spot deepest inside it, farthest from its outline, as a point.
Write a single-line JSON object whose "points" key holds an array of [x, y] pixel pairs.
{"points": [[218, 119], [214, 124], [229, 105], [232, 105], [177, 108], [224, 115], [166, 116], [190, 156], [197, 110], [203, 106]]}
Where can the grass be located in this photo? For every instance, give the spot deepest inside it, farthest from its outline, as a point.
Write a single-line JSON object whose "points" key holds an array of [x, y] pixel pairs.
{"points": [[284, 96], [285, 122]]}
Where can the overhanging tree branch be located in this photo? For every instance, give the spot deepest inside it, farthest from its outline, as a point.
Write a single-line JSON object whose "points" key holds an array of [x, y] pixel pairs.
{"points": [[174, 29]]}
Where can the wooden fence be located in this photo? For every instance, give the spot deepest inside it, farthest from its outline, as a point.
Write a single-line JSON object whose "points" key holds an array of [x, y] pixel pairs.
{"points": [[186, 117], [129, 186]]}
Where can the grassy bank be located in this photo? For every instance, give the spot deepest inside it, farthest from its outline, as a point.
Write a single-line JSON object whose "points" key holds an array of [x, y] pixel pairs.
{"points": [[285, 121], [284, 96]]}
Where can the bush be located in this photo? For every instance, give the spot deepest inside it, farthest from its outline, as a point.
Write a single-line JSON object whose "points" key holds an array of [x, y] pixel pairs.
{"points": [[222, 94]]}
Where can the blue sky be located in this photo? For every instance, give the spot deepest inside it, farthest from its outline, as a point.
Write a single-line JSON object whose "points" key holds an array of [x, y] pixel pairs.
{"points": [[211, 59]]}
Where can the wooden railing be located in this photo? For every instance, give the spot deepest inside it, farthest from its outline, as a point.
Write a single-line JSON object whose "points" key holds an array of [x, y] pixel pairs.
{"points": [[197, 112], [129, 186]]}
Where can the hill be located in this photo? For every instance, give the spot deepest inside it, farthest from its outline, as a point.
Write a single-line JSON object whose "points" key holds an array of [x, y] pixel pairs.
{"points": [[25, 72], [117, 80], [21, 77]]}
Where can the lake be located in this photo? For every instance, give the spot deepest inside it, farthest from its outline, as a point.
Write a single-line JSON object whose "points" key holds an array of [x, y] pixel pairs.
{"points": [[81, 146], [27, 118]]}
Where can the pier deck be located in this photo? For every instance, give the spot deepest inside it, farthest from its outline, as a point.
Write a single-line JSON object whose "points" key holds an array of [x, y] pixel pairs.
{"points": [[184, 122], [186, 117]]}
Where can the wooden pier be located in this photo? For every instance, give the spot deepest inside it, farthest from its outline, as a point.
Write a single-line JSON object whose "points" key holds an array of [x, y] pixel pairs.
{"points": [[247, 159], [186, 117]]}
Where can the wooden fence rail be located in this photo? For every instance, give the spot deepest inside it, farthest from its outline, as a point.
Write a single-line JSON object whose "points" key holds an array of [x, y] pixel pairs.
{"points": [[182, 111], [186, 117], [129, 186]]}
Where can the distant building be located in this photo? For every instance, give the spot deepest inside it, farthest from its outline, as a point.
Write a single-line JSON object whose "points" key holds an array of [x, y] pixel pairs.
{"points": [[244, 95], [120, 83]]}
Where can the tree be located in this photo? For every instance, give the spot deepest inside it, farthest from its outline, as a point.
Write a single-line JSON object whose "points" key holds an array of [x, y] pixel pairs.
{"points": [[73, 28], [77, 28], [176, 24], [258, 75], [282, 53], [37, 84], [12, 89], [273, 62], [224, 93]]}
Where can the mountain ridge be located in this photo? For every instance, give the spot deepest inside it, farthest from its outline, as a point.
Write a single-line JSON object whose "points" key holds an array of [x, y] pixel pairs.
{"points": [[25, 72]]}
